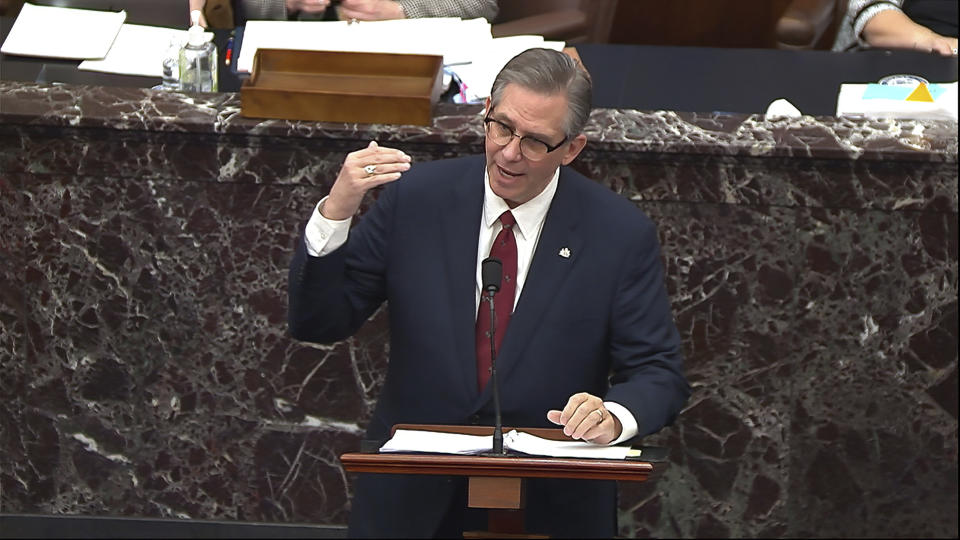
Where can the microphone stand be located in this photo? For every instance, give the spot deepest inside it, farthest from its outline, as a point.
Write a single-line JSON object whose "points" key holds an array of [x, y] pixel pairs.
{"points": [[491, 273], [498, 423]]}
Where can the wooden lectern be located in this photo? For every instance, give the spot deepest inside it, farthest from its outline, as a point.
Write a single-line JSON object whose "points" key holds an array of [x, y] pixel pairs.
{"points": [[497, 483]]}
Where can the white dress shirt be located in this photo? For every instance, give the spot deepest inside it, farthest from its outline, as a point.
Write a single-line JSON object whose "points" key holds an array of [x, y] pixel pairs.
{"points": [[323, 236]]}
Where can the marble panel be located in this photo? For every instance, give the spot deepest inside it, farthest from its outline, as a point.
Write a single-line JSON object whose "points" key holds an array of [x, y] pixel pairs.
{"points": [[19, 442], [731, 274], [11, 261], [117, 108], [880, 185], [646, 176], [162, 367], [757, 136], [192, 157], [307, 161], [873, 442], [109, 154]]}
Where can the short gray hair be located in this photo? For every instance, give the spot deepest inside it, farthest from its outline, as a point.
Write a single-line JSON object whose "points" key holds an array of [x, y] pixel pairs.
{"points": [[546, 71]]}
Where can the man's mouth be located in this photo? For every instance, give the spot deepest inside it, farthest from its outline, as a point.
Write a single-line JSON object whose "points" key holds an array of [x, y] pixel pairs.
{"points": [[507, 173]]}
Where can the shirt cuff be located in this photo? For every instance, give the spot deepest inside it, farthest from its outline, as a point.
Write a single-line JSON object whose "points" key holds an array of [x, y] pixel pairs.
{"points": [[324, 236], [627, 421]]}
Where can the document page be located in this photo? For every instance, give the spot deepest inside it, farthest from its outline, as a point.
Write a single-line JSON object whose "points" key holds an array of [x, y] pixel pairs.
{"points": [[409, 440], [138, 50], [452, 38], [478, 74], [55, 32], [456, 443], [538, 446]]}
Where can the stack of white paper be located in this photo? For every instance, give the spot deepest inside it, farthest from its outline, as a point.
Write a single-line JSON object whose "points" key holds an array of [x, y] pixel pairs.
{"points": [[55, 32], [441, 36], [405, 440], [882, 101], [138, 50], [478, 74]]}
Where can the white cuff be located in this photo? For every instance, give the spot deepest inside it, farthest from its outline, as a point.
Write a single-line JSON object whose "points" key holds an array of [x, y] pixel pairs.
{"points": [[627, 421], [323, 236]]}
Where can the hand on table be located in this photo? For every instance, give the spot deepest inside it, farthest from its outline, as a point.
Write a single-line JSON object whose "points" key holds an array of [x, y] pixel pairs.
{"points": [[895, 30], [945, 46]]}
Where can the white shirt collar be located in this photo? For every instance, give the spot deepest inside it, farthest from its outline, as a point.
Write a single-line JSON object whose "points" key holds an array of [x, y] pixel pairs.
{"points": [[529, 215]]}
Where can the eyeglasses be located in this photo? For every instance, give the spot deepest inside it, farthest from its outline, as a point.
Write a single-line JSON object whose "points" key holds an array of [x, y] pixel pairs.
{"points": [[532, 148]]}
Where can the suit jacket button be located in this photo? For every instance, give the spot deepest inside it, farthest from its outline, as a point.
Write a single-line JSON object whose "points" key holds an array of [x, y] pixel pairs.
{"points": [[475, 419]]}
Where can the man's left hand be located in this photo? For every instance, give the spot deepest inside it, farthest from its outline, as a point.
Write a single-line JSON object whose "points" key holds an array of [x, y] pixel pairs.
{"points": [[585, 417]]}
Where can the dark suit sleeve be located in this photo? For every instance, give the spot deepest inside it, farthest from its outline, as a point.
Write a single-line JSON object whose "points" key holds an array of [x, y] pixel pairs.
{"points": [[330, 297], [645, 348]]}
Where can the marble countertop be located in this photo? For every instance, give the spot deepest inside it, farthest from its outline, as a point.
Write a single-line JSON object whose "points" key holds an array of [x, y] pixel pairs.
{"points": [[610, 130]]}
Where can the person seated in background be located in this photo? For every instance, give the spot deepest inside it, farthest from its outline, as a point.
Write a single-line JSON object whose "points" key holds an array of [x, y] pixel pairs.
{"points": [[358, 10], [925, 25]]}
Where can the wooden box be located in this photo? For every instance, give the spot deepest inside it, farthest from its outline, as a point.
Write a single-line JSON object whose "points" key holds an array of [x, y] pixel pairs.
{"points": [[335, 86]]}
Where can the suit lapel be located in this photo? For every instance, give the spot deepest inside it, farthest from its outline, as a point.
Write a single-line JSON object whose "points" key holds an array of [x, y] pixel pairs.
{"points": [[460, 222]]}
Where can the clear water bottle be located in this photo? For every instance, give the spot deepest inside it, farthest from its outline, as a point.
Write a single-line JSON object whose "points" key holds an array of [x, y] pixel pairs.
{"points": [[198, 59], [171, 65]]}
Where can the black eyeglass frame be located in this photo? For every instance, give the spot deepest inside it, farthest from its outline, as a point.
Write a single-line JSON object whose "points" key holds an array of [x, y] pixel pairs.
{"points": [[550, 148]]}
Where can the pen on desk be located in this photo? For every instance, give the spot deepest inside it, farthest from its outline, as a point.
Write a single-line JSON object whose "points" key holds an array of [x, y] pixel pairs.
{"points": [[229, 54]]}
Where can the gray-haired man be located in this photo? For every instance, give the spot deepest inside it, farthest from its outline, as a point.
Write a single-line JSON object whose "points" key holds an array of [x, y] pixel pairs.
{"points": [[590, 344]]}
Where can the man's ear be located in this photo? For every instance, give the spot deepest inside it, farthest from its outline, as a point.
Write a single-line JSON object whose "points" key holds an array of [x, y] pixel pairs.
{"points": [[573, 148]]}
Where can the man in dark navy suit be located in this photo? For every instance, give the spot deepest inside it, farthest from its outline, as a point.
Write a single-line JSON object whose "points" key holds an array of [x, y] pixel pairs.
{"points": [[590, 344]]}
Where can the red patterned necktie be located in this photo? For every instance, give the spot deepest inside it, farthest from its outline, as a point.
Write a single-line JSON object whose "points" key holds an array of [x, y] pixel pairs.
{"points": [[504, 248]]}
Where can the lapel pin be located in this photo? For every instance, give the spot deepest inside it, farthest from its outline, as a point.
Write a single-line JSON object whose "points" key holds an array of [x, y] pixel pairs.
{"points": [[565, 253]]}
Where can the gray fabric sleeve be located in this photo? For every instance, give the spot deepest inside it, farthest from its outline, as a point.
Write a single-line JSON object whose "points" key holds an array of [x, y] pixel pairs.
{"points": [[466, 9], [859, 12], [265, 10]]}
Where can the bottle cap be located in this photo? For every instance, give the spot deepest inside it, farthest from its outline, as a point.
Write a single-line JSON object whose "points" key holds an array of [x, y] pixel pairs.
{"points": [[195, 36]]}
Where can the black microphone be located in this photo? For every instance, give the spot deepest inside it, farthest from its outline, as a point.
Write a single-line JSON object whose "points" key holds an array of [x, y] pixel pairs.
{"points": [[491, 273]]}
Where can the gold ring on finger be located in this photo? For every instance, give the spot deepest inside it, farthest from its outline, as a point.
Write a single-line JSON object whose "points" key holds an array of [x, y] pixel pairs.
{"points": [[600, 412]]}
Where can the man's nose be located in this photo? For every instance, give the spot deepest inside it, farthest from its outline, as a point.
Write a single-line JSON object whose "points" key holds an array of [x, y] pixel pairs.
{"points": [[512, 150]]}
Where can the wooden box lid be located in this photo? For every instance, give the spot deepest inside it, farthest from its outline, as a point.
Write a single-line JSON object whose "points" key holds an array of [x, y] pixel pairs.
{"points": [[336, 86]]}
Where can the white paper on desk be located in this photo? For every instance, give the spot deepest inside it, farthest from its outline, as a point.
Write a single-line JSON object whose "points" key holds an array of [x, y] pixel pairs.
{"points": [[55, 32], [478, 75], [138, 50], [412, 440], [406, 440], [850, 102], [538, 446], [450, 37]]}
